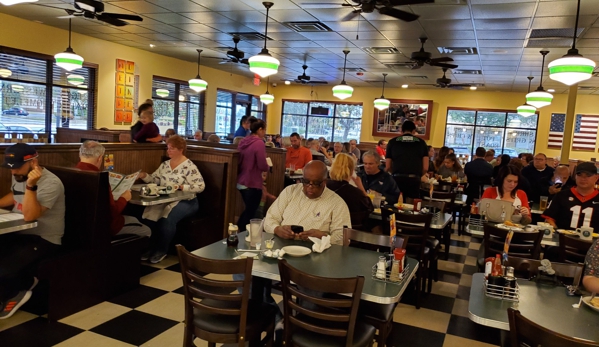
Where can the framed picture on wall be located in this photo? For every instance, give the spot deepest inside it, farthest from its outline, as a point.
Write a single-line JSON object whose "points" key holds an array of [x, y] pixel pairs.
{"points": [[387, 123]]}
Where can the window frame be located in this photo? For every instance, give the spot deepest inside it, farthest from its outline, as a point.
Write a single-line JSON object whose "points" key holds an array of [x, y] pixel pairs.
{"points": [[308, 115], [476, 126], [233, 124], [175, 99]]}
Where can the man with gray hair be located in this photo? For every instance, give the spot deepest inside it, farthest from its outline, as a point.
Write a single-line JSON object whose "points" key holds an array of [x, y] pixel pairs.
{"points": [[373, 178], [91, 154]]}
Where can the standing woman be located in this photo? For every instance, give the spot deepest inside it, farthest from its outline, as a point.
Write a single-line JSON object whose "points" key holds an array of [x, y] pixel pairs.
{"points": [[182, 174], [146, 109], [252, 163]]}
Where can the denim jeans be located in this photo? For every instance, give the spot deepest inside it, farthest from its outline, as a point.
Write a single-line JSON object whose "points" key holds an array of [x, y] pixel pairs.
{"points": [[251, 199], [165, 229]]}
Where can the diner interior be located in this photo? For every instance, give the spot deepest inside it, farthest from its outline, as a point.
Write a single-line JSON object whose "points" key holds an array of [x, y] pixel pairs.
{"points": [[101, 295]]}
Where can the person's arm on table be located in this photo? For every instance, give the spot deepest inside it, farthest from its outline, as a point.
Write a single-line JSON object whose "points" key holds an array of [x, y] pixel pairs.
{"points": [[194, 182], [274, 217], [340, 218], [153, 178], [7, 200]]}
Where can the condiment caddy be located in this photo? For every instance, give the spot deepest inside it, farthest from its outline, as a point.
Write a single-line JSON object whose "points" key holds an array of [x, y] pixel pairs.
{"points": [[391, 271]]}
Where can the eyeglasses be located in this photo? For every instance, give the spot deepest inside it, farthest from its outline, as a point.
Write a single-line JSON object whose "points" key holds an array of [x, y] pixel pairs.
{"points": [[306, 183]]}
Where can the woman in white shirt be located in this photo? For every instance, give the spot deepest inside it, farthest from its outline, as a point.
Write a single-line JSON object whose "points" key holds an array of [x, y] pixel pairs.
{"points": [[182, 174]]}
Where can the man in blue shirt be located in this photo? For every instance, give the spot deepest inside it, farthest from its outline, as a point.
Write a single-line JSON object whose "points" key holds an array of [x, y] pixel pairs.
{"points": [[244, 127]]}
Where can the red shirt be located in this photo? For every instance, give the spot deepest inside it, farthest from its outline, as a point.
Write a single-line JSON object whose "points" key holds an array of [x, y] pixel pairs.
{"points": [[117, 221], [491, 193], [300, 157], [381, 151]]}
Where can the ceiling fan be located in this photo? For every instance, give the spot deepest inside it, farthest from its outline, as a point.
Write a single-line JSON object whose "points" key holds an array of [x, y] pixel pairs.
{"points": [[422, 57], [305, 79], [234, 55], [93, 9], [385, 7], [444, 82]]}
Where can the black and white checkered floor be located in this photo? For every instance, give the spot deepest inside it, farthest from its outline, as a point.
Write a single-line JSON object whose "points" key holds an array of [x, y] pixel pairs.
{"points": [[152, 314]]}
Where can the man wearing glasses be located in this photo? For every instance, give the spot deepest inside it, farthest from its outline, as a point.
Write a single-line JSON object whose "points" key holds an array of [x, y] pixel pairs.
{"points": [[309, 204]]}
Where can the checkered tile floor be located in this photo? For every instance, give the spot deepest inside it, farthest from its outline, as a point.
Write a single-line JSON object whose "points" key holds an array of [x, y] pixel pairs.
{"points": [[152, 314]]}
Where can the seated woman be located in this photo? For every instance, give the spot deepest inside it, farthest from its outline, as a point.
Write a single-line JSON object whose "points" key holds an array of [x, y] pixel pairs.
{"points": [[507, 190], [182, 174], [341, 174], [450, 167]]}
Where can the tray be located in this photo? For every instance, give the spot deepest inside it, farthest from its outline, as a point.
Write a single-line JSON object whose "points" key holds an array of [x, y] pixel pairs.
{"points": [[501, 292], [402, 275]]}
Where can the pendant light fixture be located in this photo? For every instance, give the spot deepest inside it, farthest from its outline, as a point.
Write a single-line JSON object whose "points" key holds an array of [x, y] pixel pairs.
{"points": [[267, 98], [5, 73], [17, 88], [68, 60], [14, 2], [382, 103], [264, 64], [572, 67], [527, 110], [198, 84], [75, 79], [540, 98], [163, 93], [343, 91]]}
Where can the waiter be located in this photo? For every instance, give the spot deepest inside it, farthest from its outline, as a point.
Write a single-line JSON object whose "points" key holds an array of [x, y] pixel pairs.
{"points": [[407, 160]]}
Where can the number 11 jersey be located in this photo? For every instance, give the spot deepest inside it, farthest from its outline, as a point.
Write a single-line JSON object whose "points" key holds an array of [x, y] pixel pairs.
{"points": [[570, 210]]}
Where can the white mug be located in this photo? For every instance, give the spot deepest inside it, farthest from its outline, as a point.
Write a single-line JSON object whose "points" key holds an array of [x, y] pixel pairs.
{"points": [[152, 189], [585, 233]]}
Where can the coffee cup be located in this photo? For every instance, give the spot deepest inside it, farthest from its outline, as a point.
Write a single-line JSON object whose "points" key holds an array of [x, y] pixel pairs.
{"points": [[152, 189], [585, 233]]}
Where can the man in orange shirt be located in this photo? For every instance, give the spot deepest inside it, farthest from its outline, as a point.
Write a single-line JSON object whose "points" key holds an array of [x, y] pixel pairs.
{"points": [[297, 154]]}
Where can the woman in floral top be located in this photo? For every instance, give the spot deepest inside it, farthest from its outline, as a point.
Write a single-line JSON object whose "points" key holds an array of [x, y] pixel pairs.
{"points": [[182, 174], [591, 269]]}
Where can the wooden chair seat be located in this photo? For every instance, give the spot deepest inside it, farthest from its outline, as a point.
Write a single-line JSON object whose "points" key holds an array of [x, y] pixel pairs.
{"points": [[363, 336], [223, 324]]}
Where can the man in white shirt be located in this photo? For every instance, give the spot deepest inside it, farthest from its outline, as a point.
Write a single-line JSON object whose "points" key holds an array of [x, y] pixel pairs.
{"points": [[311, 205]]}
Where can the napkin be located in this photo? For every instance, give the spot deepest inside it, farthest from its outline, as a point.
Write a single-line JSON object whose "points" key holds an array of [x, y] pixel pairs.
{"points": [[320, 244]]}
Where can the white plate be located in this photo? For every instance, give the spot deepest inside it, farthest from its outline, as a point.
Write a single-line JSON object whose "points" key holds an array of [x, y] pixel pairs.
{"points": [[149, 196], [586, 300], [297, 251]]}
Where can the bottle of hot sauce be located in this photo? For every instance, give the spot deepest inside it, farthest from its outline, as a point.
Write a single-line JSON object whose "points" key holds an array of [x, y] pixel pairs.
{"points": [[400, 201], [497, 270]]}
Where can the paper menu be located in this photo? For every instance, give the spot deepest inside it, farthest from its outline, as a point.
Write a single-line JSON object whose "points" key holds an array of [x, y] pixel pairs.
{"points": [[7, 217]]}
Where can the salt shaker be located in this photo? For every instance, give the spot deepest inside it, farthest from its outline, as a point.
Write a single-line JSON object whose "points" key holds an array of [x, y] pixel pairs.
{"points": [[143, 191], [381, 268]]}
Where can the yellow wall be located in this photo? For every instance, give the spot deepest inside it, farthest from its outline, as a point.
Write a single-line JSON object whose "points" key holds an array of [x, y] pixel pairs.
{"points": [[31, 36]]}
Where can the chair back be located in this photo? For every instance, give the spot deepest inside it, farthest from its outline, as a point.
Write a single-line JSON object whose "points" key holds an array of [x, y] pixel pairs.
{"points": [[215, 296], [524, 331], [523, 244], [314, 304], [447, 197], [527, 268], [572, 249], [350, 234], [415, 226]]}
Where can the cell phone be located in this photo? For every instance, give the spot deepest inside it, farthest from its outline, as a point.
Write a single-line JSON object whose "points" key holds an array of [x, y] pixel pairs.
{"points": [[297, 229], [558, 185]]}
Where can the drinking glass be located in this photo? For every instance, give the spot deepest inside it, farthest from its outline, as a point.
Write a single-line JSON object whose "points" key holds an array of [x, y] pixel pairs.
{"points": [[291, 169], [255, 232], [270, 243], [543, 203]]}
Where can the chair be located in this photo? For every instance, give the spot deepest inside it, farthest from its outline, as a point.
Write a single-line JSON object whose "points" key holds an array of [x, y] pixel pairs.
{"points": [[313, 319], [378, 315], [572, 249], [216, 316], [523, 244], [524, 331], [527, 268]]}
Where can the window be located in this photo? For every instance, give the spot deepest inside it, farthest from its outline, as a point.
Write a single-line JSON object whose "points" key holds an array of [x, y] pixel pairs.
{"points": [[179, 108], [504, 131], [337, 122], [36, 97], [231, 106]]}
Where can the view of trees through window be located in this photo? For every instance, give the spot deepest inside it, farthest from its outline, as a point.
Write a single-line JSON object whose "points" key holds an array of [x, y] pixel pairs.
{"points": [[231, 107], [182, 109], [506, 132], [338, 122]]}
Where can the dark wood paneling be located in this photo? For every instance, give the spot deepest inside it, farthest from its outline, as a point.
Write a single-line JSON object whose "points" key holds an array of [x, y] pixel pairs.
{"points": [[69, 135]]}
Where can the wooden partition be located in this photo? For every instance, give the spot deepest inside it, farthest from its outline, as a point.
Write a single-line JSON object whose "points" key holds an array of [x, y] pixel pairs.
{"points": [[69, 135]]}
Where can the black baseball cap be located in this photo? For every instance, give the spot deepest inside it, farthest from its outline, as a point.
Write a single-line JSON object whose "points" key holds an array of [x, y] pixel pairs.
{"points": [[586, 167], [16, 155]]}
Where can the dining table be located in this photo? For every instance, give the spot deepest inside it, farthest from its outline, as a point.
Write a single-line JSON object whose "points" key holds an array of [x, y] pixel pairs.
{"points": [[546, 305], [11, 222], [552, 240], [178, 195], [334, 262]]}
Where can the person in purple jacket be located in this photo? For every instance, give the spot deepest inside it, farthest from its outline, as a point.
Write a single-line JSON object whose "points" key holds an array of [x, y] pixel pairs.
{"points": [[252, 163]]}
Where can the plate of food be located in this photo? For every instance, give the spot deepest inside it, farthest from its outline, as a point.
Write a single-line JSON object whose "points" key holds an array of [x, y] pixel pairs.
{"points": [[567, 232], [594, 303], [296, 251]]}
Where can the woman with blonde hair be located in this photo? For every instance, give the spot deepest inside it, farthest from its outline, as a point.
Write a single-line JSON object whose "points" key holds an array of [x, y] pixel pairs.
{"points": [[341, 174]]}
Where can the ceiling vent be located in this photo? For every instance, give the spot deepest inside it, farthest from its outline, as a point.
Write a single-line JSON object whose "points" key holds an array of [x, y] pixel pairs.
{"points": [[352, 69], [458, 50], [551, 33], [307, 26], [551, 42], [415, 77], [405, 65], [381, 50], [253, 36], [586, 88], [466, 72]]}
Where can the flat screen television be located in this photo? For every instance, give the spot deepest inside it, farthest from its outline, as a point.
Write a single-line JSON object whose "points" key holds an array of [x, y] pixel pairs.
{"points": [[319, 111]]}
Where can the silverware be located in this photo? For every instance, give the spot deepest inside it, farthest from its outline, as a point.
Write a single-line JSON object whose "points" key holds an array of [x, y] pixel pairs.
{"points": [[579, 302]]}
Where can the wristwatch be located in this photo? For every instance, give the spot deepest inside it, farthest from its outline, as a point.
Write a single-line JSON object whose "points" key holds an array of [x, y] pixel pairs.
{"points": [[33, 189]]}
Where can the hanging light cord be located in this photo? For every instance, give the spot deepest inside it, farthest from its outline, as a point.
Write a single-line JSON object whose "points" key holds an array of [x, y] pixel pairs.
{"points": [[384, 80], [199, 53], [575, 27], [530, 78], [267, 83], [268, 5], [544, 53], [346, 52]]}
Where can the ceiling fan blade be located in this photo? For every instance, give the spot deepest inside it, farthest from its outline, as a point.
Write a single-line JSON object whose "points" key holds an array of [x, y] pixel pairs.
{"points": [[409, 2], [448, 66], [67, 17], [122, 16], [110, 20], [244, 61], [441, 60], [399, 14], [351, 15], [318, 82], [415, 66]]}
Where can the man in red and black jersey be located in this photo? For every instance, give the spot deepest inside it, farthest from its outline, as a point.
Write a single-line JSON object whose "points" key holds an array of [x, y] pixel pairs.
{"points": [[577, 206]]}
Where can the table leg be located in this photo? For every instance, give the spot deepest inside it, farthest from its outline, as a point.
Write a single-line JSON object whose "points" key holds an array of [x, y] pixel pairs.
{"points": [[446, 238], [505, 338]]}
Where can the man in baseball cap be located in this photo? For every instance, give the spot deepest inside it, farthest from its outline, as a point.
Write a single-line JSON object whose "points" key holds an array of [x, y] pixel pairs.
{"points": [[38, 195]]}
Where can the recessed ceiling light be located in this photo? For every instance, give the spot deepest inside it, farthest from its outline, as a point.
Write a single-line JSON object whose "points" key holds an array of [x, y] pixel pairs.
{"points": [[551, 90], [287, 82], [472, 87], [500, 51], [404, 86], [152, 45]]}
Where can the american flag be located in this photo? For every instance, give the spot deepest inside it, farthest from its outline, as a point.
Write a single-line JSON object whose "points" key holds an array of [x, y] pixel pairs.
{"points": [[585, 132], [556, 130]]}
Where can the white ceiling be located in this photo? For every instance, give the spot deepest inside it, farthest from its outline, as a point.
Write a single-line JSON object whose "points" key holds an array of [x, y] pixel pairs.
{"points": [[498, 29]]}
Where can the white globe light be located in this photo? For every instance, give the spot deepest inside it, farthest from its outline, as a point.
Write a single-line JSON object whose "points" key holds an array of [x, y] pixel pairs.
{"points": [[17, 88], [526, 110], [343, 91], [381, 104], [267, 98], [69, 61], [264, 65], [163, 93], [75, 79], [539, 99], [198, 84], [5, 73], [570, 70]]}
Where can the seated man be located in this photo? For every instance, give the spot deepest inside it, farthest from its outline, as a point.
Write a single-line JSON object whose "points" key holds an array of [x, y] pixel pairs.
{"points": [[591, 269], [318, 152], [309, 204], [561, 181], [90, 156], [39, 195], [297, 154], [373, 178]]}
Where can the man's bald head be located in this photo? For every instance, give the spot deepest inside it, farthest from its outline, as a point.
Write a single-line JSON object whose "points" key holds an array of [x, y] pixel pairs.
{"points": [[563, 172], [315, 169]]}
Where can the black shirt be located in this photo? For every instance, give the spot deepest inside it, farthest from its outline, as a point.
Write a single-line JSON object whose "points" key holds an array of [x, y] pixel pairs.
{"points": [[381, 182], [135, 129], [406, 152], [571, 210], [539, 181], [357, 202]]}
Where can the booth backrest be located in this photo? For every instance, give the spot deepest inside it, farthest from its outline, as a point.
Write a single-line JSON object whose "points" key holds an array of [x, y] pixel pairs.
{"points": [[87, 216], [212, 200]]}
